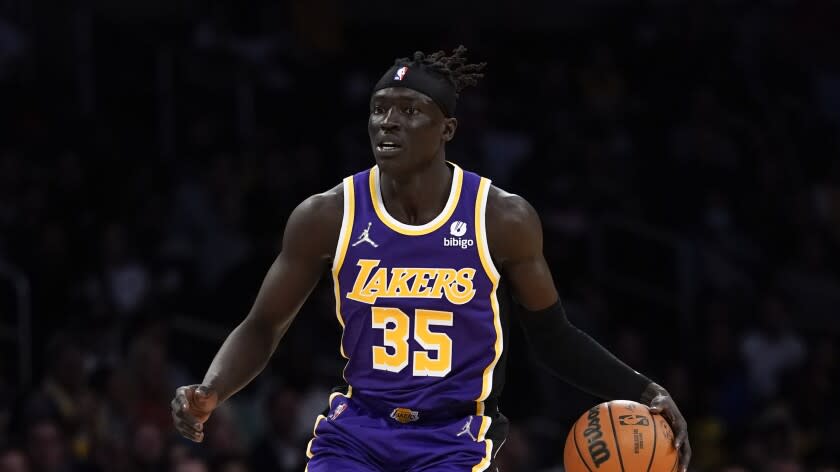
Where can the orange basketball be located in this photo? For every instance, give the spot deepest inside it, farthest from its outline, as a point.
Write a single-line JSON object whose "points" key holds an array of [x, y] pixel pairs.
{"points": [[620, 436]]}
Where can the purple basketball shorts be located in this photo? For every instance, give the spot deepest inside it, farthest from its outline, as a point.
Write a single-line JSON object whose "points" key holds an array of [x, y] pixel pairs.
{"points": [[351, 437]]}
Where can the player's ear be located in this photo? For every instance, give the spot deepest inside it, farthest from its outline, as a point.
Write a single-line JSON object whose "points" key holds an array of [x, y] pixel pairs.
{"points": [[449, 127]]}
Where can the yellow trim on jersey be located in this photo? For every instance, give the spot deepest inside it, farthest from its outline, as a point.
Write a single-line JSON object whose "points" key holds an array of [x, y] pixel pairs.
{"points": [[314, 435], [335, 394], [322, 417], [485, 426], [493, 275], [309, 454], [485, 461], [317, 421], [415, 230], [341, 250]]}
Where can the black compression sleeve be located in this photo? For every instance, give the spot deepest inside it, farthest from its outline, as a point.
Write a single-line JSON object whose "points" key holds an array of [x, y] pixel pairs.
{"points": [[578, 359]]}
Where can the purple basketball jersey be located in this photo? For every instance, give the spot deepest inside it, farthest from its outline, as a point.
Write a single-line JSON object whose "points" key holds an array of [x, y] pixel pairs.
{"points": [[418, 304]]}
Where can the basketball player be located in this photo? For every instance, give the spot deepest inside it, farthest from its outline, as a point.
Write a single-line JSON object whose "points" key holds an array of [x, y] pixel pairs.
{"points": [[421, 254]]}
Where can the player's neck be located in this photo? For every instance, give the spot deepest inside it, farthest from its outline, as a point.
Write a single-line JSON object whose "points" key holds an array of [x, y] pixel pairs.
{"points": [[417, 197]]}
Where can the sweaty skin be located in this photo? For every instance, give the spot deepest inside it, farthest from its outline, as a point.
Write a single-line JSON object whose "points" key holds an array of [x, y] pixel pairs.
{"points": [[408, 178]]}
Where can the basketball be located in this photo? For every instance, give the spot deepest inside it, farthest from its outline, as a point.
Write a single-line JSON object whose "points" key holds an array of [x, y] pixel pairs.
{"points": [[620, 436]]}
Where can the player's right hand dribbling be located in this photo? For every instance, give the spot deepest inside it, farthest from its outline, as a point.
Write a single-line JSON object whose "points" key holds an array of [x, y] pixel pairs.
{"points": [[191, 408]]}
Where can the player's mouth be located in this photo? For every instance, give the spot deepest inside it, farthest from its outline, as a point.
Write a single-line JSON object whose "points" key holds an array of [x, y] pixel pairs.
{"points": [[388, 147]]}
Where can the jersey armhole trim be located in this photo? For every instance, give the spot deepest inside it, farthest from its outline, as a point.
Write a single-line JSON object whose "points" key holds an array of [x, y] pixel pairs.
{"points": [[493, 275], [341, 247], [481, 230]]}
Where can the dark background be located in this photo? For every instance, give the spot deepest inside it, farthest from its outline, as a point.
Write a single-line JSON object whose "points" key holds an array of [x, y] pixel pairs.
{"points": [[683, 155]]}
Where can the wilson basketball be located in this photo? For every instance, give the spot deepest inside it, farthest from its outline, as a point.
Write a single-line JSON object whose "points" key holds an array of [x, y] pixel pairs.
{"points": [[620, 436]]}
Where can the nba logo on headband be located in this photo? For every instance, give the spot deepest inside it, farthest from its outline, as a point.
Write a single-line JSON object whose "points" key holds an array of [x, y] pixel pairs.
{"points": [[400, 74]]}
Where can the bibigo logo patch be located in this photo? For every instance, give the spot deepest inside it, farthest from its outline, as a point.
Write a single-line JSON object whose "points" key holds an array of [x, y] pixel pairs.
{"points": [[458, 228]]}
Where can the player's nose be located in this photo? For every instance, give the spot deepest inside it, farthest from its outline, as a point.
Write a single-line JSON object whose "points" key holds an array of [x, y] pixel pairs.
{"points": [[389, 122]]}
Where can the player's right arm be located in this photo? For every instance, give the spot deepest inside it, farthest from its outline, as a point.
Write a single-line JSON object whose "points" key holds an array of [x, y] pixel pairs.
{"points": [[309, 243]]}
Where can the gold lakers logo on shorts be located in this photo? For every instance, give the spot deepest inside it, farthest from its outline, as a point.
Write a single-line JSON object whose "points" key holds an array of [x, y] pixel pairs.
{"points": [[404, 415]]}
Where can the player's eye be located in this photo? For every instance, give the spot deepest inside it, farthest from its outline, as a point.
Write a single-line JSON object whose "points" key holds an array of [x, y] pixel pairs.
{"points": [[377, 110], [410, 110]]}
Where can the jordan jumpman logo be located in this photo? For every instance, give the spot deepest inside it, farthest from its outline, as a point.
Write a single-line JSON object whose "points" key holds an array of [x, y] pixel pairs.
{"points": [[365, 238], [466, 429]]}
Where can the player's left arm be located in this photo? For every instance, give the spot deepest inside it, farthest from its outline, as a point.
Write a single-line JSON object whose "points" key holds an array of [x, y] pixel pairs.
{"points": [[515, 239]]}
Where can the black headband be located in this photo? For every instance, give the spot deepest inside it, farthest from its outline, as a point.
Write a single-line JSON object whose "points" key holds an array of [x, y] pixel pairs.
{"points": [[438, 88]]}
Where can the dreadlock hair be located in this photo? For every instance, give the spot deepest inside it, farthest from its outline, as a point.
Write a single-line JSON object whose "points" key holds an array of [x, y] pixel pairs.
{"points": [[453, 68]]}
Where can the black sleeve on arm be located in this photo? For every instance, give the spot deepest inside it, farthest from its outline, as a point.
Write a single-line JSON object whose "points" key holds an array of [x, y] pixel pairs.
{"points": [[575, 357]]}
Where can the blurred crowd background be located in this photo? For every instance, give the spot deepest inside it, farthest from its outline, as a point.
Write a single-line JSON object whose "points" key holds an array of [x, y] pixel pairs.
{"points": [[684, 157]]}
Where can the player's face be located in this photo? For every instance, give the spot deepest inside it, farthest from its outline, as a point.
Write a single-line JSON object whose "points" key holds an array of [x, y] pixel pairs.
{"points": [[407, 129]]}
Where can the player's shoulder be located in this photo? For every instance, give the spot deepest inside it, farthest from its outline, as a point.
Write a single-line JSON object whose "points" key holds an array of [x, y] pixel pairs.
{"points": [[327, 203], [512, 224], [316, 222], [508, 209]]}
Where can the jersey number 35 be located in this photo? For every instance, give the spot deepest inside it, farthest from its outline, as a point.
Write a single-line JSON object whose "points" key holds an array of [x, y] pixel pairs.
{"points": [[396, 337]]}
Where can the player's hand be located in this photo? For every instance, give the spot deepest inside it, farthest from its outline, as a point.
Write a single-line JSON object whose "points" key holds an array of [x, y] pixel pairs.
{"points": [[191, 408], [661, 403]]}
